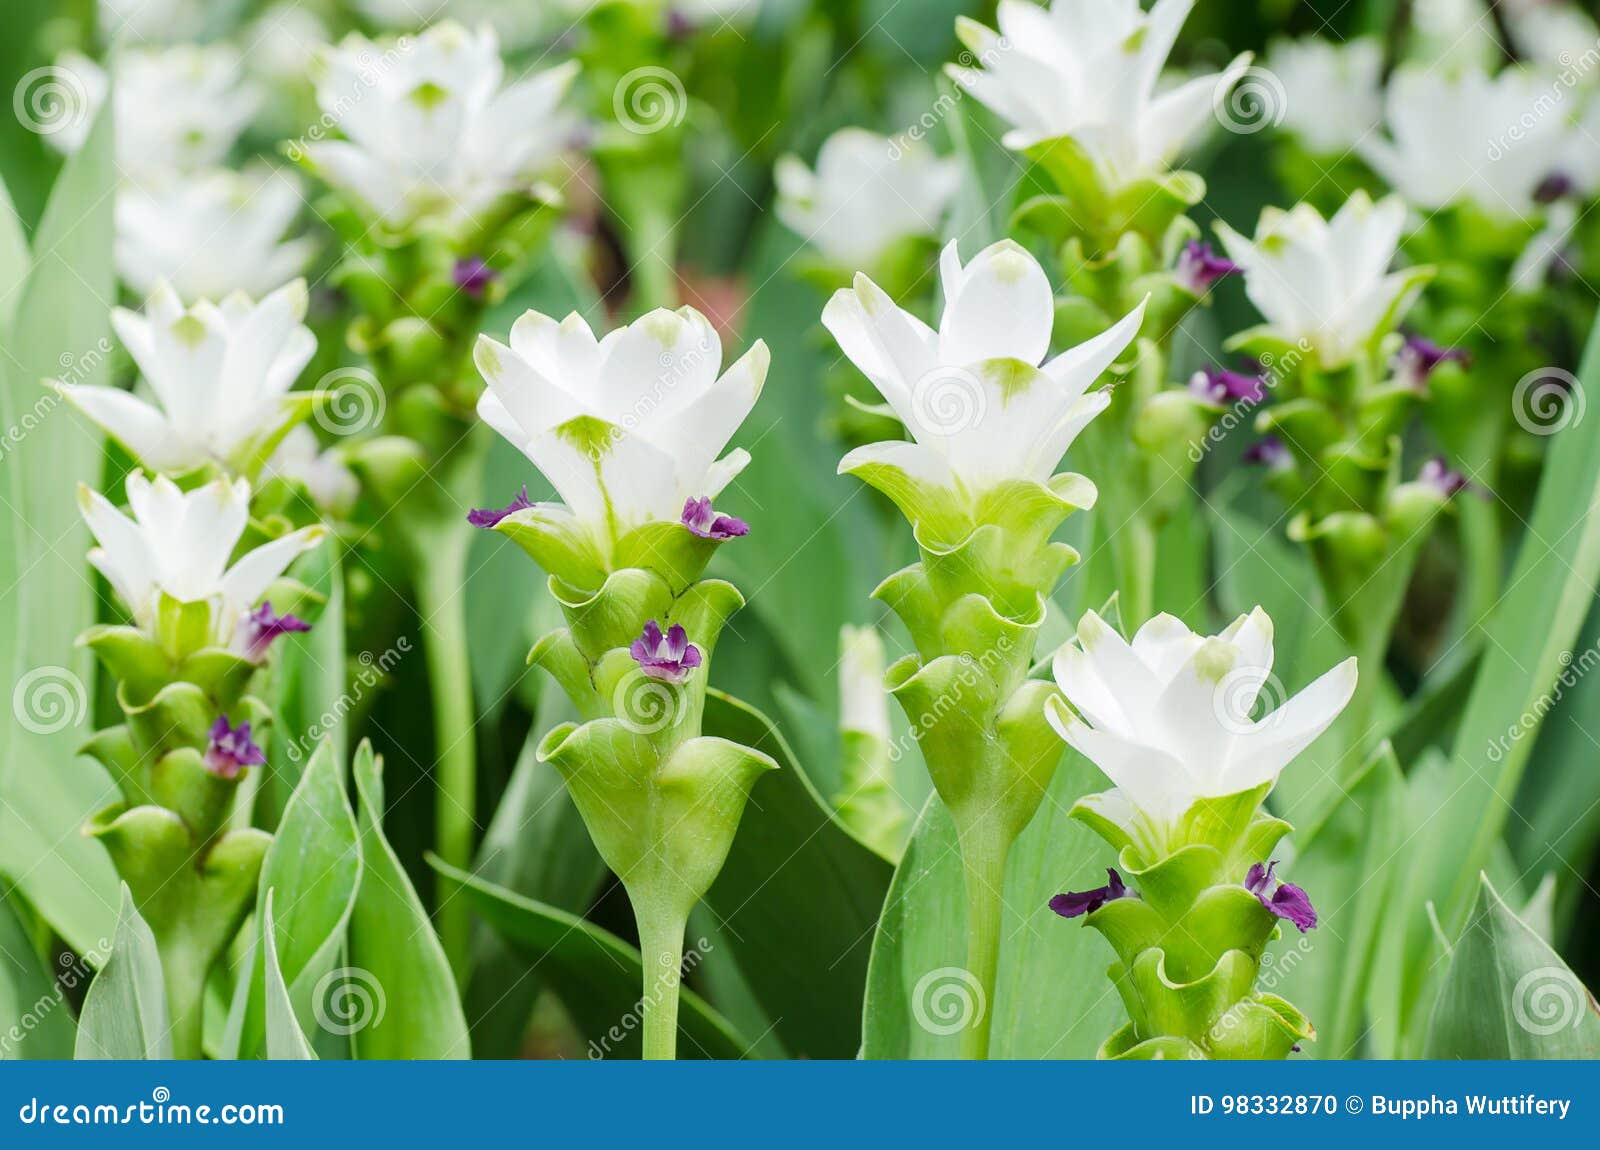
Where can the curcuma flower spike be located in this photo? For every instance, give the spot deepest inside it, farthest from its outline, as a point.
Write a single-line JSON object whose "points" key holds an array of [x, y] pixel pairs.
{"points": [[1326, 282], [437, 131], [631, 431], [220, 373], [1168, 718], [989, 419], [1088, 73]]}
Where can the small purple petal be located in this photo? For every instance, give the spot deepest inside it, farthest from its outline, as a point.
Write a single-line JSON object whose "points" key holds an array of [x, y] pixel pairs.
{"points": [[230, 749], [1283, 899], [1270, 453], [1555, 186], [1220, 386], [1199, 267], [1418, 358], [670, 657], [256, 630], [703, 520], [1080, 902], [473, 276], [1436, 473], [490, 516]]}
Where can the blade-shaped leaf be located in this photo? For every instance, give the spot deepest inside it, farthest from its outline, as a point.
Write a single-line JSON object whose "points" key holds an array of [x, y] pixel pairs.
{"points": [[598, 976], [285, 1041], [1507, 994], [125, 1012], [393, 945], [798, 897], [314, 865], [35, 1020], [1053, 999], [309, 687]]}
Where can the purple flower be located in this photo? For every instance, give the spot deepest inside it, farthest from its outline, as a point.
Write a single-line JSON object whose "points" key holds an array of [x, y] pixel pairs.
{"points": [[670, 657], [487, 517], [1219, 386], [1417, 359], [231, 750], [473, 276], [1269, 452], [257, 629], [702, 519], [1438, 474], [1555, 186], [1199, 267], [1283, 899], [1078, 902]]}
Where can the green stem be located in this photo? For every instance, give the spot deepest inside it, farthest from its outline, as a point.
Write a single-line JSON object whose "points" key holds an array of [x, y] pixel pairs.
{"points": [[983, 862], [1480, 544], [1137, 545], [186, 1001], [442, 570], [661, 943]]}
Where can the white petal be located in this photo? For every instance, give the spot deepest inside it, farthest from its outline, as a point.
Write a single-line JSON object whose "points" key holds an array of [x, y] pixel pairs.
{"points": [[1152, 779], [1262, 754], [1002, 309], [138, 426], [1076, 369], [248, 579]]}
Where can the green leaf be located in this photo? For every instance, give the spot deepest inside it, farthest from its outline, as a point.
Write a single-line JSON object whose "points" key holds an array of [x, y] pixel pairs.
{"points": [[1347, 865], [315, 866], [1053, 999], [1529, 643], [309, 687], [797, 898], [35, 1020], [125, 1012], [598, 976], [393, 945], [285, 1041], [61, 327], [1508, 995]]}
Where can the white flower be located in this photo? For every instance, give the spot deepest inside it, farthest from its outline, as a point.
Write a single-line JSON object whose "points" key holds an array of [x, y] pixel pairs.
{"points": [[211, 233], [863, 701], [1333, 92], [177, 109], [1327, 282], [156, 21], [221, 375], [300, 458], [977, 396], [178, 544], [1089, 69], [430, 127], [868, 193], [628, 428], [1554, 37], [284, 41], [1167, 717], [1469, 137]]}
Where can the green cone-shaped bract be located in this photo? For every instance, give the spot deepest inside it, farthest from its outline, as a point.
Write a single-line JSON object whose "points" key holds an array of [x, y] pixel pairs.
{"points": [[1189, 946]]}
